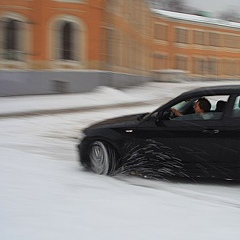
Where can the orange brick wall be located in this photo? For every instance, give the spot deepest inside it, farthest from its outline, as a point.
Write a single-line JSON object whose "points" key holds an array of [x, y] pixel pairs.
{"points": [[133, 40]]}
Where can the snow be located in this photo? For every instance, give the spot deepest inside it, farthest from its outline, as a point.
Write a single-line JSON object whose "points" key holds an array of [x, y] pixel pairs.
{"points": [[46, 194], [68, 101], [102, 96]]}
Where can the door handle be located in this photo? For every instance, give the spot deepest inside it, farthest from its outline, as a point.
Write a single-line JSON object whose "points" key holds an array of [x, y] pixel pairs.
{"points": [[212, 131]]}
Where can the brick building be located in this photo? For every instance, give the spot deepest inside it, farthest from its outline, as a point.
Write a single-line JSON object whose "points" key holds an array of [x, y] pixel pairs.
{"points": [[76, 45], [205, 47]]}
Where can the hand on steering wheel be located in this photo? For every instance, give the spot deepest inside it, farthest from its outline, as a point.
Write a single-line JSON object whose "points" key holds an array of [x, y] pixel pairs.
{"points": [[176, 112]]}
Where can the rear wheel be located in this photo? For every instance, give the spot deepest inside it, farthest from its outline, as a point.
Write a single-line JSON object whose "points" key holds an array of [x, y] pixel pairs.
{"points": [[102, 158]]}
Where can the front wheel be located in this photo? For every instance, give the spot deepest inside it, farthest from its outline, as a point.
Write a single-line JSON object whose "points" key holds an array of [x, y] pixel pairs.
{"points": [[102, 158]]}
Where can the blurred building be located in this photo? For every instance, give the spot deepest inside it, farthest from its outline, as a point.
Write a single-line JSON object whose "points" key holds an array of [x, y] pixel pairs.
{"points": [[205, 47], [49, 46]]}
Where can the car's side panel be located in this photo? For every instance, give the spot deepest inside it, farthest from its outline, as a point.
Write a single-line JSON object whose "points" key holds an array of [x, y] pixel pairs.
{"points": [[231, 145], [197, 146]]}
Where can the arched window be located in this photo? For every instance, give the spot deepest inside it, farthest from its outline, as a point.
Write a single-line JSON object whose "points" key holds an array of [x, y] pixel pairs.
{"points": [[11, 35], [11, 43], [67, 41]]}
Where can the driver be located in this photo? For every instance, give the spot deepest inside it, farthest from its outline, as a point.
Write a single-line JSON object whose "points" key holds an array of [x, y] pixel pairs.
{"points": [[201, 108]]}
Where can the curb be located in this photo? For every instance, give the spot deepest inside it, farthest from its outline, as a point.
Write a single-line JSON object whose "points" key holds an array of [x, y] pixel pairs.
{"points": [[69, 110]]}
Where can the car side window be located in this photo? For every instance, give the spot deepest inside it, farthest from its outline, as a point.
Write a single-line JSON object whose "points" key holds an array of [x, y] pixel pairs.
{"points": [[187, 110], [236, 108]]}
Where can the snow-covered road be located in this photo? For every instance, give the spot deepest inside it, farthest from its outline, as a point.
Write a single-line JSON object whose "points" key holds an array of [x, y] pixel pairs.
{"points": [[45, 194]]}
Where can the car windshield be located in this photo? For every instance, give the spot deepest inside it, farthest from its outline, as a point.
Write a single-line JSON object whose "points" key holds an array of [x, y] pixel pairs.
{"points": [[153, 113], [181, 105]]}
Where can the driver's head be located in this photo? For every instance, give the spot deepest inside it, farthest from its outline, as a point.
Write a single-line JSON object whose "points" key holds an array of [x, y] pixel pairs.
{"points": [[202, 105]]}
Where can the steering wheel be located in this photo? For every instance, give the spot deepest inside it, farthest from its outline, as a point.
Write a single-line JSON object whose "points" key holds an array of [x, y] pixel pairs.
{"points": [[172, 114], [169, 114]]}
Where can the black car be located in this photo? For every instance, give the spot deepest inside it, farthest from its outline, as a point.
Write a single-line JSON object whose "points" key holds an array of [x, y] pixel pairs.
{"points": [[160, 144]]}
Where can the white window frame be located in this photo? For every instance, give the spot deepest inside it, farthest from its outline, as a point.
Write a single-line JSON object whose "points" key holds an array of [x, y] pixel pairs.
{"points": [[80, 42]]}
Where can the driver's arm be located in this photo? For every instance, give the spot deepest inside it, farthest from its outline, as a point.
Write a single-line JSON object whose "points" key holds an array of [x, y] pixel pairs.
{"points": [[176, 112]]}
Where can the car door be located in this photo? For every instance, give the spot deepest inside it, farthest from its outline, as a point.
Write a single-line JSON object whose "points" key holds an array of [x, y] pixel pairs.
{"points": [[183, 148], [230, 159]]}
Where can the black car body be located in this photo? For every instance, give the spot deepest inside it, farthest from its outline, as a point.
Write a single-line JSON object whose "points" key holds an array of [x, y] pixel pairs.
{"points": [[159, 144]]}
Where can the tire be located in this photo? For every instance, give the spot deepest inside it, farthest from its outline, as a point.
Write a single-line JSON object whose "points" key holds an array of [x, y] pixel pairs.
{"points": [[102, 158]]}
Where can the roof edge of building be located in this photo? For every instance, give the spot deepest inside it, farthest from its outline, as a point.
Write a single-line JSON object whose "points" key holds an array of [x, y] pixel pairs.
{"points": [[195, 18]]}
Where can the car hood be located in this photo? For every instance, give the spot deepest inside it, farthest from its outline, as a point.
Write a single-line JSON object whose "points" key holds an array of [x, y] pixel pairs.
{"points": [[124, 121]]}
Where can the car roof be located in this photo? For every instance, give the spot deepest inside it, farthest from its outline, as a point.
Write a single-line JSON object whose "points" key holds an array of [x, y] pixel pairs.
{"points": [[212, 90]]}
